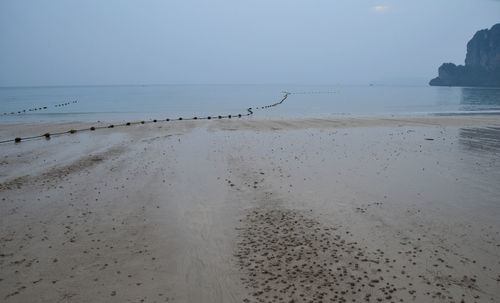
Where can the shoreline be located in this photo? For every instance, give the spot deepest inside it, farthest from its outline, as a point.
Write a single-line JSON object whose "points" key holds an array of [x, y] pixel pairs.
{"points": [[12, 130], [253, 210]]}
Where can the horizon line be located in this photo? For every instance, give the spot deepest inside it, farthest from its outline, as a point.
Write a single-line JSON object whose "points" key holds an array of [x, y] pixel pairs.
{"points": [[374, 83]]}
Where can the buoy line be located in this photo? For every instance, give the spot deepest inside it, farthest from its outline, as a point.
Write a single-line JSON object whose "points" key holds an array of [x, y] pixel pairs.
{"points": [[314, 92], [33, 109], [94, 128]]}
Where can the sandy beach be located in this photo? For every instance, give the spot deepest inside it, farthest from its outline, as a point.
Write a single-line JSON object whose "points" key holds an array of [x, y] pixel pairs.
{"points": [[311, 210]]}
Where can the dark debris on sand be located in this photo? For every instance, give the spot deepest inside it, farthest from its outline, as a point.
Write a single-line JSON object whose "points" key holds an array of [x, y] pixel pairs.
{"points": [[287, 256]]}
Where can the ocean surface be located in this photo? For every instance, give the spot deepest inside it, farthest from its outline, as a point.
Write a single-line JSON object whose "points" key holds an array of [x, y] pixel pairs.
{"points": [[143, 102]]}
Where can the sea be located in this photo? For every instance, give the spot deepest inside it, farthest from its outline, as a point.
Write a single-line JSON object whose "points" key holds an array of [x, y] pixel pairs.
{"points": [[147, 102]]}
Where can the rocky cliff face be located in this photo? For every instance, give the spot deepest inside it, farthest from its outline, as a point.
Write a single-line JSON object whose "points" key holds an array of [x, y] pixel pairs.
{"points": [[482, 62], [483, 51]]}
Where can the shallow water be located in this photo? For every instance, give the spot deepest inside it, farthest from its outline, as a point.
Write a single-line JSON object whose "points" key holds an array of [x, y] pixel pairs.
{"points": [[119, 103]]}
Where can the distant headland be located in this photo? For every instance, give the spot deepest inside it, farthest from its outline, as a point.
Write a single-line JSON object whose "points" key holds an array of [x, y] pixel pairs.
{"points": [[482, 63]]}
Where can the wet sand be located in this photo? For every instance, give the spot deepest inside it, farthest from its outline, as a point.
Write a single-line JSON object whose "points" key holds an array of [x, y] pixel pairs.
{"points": [[313, 210]]}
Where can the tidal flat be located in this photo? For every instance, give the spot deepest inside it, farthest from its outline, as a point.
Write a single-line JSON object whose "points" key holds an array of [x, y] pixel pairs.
{"points": [[297, 210]]}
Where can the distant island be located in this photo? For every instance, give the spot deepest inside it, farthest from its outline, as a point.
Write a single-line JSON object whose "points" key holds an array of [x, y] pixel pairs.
{"points": [[482, 63]]}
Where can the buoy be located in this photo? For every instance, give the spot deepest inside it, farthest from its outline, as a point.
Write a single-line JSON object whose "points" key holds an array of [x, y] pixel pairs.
{"points": [[72, 131]]}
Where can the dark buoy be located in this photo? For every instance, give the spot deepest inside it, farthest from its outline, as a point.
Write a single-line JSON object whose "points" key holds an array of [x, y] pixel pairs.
{"points": [[72, 131], [167, 119], [17, 140], [229, 116], [209, 117], [142, 122], [239, 115], [128, 123], [154, 120], [111, 126], [180, 118], [196, 118], [220, 117], [92, 128], [47, 136]]}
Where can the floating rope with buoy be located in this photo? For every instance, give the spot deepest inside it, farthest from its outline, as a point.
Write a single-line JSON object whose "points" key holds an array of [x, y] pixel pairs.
{"points": [[34, 109], [94, 128]]}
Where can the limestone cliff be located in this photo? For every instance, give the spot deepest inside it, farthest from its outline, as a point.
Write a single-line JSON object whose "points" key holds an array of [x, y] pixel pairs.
{"points": [[482, 62]]}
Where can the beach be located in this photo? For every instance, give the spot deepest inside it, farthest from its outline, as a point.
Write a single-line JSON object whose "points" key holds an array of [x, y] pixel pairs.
{"points": [[396, 209]]}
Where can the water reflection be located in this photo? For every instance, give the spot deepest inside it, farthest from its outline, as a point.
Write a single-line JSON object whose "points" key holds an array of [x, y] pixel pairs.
{"points": [[480, 139], [475, 98]]}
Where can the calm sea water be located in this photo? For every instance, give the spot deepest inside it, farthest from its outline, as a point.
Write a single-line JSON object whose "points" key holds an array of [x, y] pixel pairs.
{"points": [[122, 103]]}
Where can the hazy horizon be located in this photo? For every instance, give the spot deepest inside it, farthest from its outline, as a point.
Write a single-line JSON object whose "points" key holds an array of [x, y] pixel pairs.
{"points": [[60, 43]]}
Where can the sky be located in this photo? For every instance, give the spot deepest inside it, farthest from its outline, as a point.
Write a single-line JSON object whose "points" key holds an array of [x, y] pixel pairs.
{"points": [[113, 42]]}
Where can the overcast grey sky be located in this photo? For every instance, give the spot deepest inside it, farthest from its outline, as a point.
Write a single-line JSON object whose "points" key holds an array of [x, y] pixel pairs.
{"points": [[66, 42]]}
